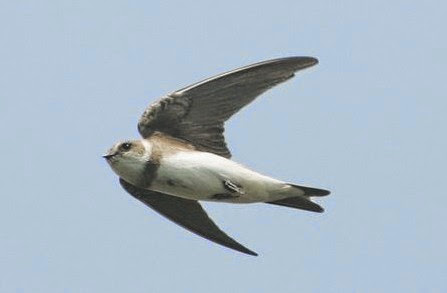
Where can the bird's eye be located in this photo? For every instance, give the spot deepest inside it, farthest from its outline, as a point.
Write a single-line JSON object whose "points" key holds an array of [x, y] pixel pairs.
{"points": [[126, 146]]}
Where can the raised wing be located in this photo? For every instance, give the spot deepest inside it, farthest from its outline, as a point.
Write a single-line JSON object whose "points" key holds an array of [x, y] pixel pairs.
{"points": [[197, 113], [187, 213]]}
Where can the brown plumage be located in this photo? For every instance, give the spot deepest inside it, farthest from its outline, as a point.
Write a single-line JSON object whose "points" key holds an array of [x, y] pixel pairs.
{"points": [[183, 156]]}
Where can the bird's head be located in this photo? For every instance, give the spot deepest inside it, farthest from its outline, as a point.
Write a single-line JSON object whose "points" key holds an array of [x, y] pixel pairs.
{"points": [[128, 159]]}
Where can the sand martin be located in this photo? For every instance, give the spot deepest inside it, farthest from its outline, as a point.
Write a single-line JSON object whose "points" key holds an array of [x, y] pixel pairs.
{"points": [[183, 158]]}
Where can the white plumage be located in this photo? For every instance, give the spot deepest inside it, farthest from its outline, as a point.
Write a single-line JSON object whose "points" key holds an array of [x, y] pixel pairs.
{"points": [[200, 175], [183, 156]]}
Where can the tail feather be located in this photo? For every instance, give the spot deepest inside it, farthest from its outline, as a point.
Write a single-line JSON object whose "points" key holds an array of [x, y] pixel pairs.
{"points": [[310, 191], [298, 202], [302, 201]]}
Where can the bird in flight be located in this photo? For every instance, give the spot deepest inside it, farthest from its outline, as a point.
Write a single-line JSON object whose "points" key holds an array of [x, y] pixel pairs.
{"points": [[183, 157]]}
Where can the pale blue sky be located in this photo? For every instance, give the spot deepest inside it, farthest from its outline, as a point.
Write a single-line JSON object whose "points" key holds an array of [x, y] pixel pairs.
{"points": [[368, 123]]}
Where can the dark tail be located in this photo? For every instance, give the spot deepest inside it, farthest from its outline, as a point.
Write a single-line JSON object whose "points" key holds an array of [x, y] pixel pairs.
{"points": [[301, 201], [309, 191]]}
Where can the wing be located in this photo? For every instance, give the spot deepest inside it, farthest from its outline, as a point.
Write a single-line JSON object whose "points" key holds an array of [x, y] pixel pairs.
{"points": [[187, 213], [197, 113]]}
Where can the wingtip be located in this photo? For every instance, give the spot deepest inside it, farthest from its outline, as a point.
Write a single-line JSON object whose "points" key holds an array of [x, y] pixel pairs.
{"points": [[300, 62], [307, 61], [239, 247], [250, 252]]}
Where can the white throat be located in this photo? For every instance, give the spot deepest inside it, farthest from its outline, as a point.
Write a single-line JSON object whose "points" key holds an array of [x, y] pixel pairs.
{"points": [[148, 149]]}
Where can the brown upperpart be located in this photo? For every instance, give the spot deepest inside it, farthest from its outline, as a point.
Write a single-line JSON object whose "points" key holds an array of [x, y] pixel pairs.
{"points": [[162, 145], [165, 145]]}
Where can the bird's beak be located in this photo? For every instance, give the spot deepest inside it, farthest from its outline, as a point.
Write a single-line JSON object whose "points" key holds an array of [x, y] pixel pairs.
{"points": [[108, 155]]}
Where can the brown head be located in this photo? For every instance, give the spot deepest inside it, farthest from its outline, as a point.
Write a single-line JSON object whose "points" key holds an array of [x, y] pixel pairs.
{"points": [[129, 159]]}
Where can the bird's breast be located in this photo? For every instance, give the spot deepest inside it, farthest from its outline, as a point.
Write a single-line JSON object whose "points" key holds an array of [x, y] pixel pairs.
{"points": [[202, 176]]}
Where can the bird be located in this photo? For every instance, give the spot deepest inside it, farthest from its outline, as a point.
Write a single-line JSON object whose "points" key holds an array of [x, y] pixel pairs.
{"points": [[183, 159]]}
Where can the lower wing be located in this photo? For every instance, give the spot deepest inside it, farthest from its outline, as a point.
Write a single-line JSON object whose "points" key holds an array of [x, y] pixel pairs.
{"points": [[185, 212]]}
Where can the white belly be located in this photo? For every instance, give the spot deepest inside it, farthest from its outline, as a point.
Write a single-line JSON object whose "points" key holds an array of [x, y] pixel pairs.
{"points": [[201, 175]]}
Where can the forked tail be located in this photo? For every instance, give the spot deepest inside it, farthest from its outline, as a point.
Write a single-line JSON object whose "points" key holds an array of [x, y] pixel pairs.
{"points": [[303, 200]]}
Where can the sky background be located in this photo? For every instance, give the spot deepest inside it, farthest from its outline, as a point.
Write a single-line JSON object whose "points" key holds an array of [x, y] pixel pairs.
{"points": [[367, 123]]}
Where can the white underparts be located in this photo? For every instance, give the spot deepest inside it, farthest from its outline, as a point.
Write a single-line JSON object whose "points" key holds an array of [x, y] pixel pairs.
{"points": [[129, 168], [201, 175]]}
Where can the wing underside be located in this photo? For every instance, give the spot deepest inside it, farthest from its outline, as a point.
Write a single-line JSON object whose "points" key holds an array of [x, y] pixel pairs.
{"points": [[187, 213]]}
